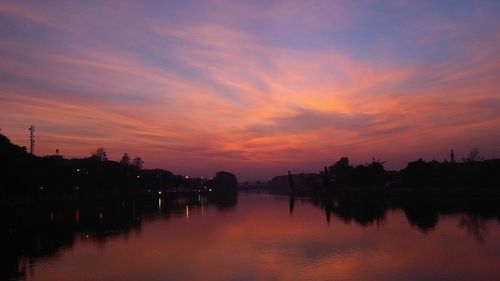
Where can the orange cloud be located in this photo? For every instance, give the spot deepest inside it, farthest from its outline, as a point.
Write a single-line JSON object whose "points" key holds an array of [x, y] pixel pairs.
{"points": [[215, 92]]}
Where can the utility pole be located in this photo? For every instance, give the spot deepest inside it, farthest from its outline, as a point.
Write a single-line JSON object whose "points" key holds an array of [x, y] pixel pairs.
{"points": [[32, 139]]}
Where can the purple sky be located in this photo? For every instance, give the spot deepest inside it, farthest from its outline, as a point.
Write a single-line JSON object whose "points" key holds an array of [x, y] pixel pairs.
{"points": [[253, 87]]}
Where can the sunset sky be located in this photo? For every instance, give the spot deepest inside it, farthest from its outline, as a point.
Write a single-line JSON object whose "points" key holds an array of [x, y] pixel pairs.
{"points": [[252, 87]]}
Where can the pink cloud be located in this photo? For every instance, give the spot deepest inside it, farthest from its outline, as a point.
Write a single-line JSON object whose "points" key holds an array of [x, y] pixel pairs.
{"points": [[229, 98]]}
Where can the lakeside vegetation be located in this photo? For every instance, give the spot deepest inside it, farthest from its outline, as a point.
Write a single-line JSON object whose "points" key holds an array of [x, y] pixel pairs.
{"points": [[472, 175], [28, 177], [111, 197]]}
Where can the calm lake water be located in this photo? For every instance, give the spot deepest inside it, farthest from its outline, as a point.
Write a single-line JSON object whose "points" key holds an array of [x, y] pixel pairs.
{"points": [[252, 237]]}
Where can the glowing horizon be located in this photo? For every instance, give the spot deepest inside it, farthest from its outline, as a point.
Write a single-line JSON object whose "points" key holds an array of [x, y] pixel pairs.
{"points": [[255, 88]]}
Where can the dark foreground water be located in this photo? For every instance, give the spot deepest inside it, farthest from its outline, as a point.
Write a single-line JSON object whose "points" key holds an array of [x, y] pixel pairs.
{"points": [[253, 237]]}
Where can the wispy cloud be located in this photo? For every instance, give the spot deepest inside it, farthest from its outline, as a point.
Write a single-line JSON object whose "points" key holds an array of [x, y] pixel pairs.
{"points": [[253, 87]]}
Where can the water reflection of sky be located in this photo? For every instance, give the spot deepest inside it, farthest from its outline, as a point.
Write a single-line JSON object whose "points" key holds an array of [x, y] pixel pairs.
{"points": [[259, 240]]}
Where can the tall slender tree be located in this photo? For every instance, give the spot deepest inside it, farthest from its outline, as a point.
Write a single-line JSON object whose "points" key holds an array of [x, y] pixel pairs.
{"points": [[138, 162], [125, 159], [100, 154]]}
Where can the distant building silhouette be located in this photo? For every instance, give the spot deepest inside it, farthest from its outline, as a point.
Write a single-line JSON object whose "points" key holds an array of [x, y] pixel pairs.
{"points": [[452, 156]]}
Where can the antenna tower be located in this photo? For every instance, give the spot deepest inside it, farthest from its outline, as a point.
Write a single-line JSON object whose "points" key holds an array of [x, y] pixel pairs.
{"points": [[32, 139]]}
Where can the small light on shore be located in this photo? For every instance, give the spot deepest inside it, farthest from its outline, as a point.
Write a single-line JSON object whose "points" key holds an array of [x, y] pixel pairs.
{"points": [[78, 170], [159, 192], [41, 187], [210, 190]]}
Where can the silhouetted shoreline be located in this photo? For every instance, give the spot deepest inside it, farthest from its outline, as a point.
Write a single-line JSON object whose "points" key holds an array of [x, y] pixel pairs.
{"points": [[26, 178], [468, 178]]}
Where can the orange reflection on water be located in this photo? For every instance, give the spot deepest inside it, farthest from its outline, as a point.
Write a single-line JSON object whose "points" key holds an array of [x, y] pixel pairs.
{"points": [[260, 240]]}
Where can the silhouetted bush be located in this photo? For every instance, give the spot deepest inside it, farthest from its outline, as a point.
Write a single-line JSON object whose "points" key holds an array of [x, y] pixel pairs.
{"points": [[418, 174], [224, 181], [53, 177]]}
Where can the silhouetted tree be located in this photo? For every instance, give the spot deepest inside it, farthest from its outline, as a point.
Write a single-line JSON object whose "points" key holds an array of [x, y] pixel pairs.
{"points": [[418, 173], [138, 162], [125, 159], [225, 193], [5, 142], [340, 167], [26, 175], [100, 154], [341, 170], [473, 156], [369, 175], [225, 181], [325, 175]]}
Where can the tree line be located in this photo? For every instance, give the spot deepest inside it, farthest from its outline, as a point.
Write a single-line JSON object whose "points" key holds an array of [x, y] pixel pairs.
{"points": [[472, 174], [23, 175]]}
